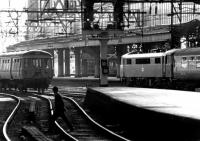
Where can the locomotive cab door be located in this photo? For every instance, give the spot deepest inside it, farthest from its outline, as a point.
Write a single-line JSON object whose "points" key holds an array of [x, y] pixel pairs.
{"points": [[163, 66], [169, 65]]}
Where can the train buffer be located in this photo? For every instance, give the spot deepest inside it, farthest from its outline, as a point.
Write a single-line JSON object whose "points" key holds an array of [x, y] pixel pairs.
{"points": [[34, 134]]}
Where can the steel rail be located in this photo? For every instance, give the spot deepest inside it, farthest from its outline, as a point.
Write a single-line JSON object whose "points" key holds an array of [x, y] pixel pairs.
{"points": [[57, 124], [5, 126], [94, 122]]}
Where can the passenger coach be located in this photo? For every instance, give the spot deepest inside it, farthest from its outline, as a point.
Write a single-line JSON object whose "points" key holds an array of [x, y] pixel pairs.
{"points": [[26, 69]]}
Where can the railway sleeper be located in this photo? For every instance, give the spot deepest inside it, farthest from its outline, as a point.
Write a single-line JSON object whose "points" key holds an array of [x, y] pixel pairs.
{"points": [[32, 133]]}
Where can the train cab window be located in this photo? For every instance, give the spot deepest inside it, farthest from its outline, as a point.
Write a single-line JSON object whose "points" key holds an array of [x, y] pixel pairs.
{"points": [[37, 63], [157, 61], [47, 63], [143, 61], [128, 61], [26, 62]]}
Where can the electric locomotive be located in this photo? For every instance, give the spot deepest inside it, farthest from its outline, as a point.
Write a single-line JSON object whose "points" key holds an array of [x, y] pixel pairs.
{"points": [[26, 69], [176, 68]]}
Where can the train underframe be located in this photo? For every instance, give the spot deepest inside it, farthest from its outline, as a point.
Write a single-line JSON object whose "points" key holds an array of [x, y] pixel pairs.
{"points": [[22, 85], [164, 83]]}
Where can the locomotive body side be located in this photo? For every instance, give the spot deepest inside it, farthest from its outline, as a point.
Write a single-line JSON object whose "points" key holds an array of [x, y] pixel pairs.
{"points": [[143, 69], [142, 65]]}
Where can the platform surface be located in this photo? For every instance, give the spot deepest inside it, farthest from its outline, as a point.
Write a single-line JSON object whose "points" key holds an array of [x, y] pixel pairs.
{"points": [[179, 103]]}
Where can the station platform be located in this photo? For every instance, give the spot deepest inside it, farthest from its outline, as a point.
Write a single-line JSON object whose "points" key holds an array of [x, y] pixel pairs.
{"points": [[150, 114]]}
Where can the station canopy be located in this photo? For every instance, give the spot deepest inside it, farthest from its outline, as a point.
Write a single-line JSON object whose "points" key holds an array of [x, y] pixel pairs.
{"points": [[189, 28]]}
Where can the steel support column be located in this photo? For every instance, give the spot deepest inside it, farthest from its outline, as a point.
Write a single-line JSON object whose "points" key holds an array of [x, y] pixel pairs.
{"points": [[60, 63], [77, 62], [67, 62]]}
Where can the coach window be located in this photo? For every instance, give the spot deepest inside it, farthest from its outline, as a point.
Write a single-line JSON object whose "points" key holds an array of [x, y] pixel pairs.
{"points": [[192, 58], [128, 61], [157, 60], [40, 62], [26, 62]]}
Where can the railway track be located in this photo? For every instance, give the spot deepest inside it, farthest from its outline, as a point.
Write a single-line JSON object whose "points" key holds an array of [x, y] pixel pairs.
{"points": [[85, 127], [112, 124], [15, 113], [8, 105]]}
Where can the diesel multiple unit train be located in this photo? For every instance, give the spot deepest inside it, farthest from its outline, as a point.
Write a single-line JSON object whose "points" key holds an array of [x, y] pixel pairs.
{"points": [[176, 68], [26, 69]]}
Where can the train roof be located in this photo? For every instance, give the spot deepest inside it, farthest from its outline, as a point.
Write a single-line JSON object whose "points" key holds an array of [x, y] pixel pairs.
{"points": [[22, 53], [187, 51], [143, 55], [171, 51]]}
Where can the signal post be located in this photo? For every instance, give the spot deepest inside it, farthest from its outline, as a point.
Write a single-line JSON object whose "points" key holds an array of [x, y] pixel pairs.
{"points": [[96, 30]]}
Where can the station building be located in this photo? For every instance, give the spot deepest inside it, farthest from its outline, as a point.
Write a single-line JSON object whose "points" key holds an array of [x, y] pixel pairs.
{"points": [[150, 27]]}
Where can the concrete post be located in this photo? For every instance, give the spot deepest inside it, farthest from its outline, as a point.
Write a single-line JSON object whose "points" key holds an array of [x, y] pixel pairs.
{"points": [[77, 62], [121, 50], [60, 63], [103, 56], [84, 67], [97, 68], [67, 62]]}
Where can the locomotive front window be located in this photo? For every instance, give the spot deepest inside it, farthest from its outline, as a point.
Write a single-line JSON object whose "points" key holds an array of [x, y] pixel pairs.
{"points": [[47, 63], [157, 60], [143, 61]]}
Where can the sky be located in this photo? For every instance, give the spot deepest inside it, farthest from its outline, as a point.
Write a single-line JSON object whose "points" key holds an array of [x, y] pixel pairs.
{"points": [[7, 25], [17, 4]]}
